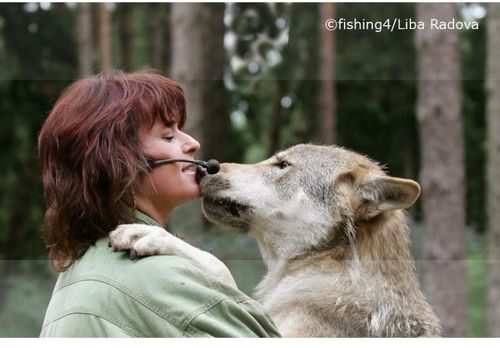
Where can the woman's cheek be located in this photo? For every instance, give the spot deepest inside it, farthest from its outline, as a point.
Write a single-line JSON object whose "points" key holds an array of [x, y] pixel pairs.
{"points": [[157, 150]]}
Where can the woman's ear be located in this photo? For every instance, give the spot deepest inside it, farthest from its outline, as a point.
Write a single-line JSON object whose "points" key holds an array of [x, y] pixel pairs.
{"points": [[378, 193]]}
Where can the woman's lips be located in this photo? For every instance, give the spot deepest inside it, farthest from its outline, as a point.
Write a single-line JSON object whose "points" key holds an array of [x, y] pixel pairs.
{"points": [[189, 169]]}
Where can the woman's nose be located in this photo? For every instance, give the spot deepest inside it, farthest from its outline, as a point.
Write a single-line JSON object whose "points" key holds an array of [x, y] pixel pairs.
{"points": [[190, 145]]}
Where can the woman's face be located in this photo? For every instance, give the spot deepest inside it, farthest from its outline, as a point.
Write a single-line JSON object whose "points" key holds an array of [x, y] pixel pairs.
{"points": [[167, 185]]}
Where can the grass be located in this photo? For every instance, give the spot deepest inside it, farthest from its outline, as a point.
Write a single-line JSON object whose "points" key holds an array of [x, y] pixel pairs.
{"points": [[27, 298], [476, 292]]}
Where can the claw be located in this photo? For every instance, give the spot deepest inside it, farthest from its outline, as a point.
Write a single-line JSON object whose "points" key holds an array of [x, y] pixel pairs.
{"points": [[133, 254]]}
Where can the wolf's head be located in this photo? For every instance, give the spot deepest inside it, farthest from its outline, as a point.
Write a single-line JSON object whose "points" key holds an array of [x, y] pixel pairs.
{"points": [[307, 197]]}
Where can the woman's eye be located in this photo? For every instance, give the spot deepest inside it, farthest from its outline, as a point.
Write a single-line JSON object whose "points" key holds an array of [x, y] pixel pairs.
{"points": [[168, 137], [282, 164]]}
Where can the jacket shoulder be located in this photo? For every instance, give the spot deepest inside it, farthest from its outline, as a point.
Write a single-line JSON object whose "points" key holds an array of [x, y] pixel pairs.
{"points": [[158, 296]]}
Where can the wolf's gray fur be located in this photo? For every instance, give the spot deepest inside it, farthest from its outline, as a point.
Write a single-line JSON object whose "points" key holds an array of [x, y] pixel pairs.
{"points": [[334, 237]]}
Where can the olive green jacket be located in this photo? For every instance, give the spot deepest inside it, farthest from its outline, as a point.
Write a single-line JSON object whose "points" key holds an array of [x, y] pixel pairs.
{"points": [[104, 294]]}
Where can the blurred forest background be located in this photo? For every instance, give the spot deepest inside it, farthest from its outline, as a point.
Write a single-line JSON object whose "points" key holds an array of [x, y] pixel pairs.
{"points": [[258, 78]]}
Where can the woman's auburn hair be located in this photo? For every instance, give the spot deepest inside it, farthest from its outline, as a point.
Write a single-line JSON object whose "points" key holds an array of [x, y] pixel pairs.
{"points": [[90, 155]]}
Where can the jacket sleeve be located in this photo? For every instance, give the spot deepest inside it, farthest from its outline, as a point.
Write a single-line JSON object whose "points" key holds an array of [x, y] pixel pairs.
{"points": [[229, 318]]}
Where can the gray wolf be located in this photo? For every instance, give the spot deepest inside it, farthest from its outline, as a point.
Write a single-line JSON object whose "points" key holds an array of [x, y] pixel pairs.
{"points": [[334, 237]]}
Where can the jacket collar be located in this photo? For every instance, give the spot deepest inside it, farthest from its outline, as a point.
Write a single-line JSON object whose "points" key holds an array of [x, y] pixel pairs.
{"points": [[145, 219]]}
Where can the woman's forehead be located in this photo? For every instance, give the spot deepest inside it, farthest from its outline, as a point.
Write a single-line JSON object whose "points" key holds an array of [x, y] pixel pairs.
{"points": [[160, 126]]}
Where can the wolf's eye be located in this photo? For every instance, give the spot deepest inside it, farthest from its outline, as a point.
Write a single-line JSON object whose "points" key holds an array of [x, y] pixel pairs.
{"points": [[282, 164]]}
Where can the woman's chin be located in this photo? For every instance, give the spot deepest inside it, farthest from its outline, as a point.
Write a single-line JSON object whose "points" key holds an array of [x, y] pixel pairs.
{"points": [[192, 193]]}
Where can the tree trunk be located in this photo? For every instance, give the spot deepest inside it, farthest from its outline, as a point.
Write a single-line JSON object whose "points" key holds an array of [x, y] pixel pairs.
{"points": [[198, 59], [155, 37], [104, 37], [327, 122], [197, 63], [439, 113], [493, 169], [126, 35], [85, 39]]}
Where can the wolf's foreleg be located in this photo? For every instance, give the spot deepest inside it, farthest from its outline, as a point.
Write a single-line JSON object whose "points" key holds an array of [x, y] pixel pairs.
{"points": [[143, 240]]}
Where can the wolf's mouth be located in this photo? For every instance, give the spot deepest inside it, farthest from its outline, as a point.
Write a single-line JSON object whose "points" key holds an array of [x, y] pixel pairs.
{"points": [[233, 207], [226, 211]]}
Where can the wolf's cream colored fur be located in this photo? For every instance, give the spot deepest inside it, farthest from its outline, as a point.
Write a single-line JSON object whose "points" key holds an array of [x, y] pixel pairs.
{"points": [[333, 235]]}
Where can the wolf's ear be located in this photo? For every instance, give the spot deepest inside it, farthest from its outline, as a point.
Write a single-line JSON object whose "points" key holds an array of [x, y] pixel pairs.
{"points": [[378, 193]]}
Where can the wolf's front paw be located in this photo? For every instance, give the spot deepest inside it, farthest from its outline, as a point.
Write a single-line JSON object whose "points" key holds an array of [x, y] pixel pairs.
{"points": [[141, 240]]}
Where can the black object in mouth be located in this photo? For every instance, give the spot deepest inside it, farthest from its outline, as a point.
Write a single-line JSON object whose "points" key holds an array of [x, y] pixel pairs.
{"points": [[200, 173], [211, 166]]}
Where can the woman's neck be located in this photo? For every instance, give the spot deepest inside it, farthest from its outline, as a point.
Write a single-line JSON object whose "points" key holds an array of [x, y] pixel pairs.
{"points": [[161, 216]]}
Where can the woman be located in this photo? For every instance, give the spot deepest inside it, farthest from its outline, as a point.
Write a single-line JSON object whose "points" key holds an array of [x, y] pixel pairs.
{"points": [[92, 150]]}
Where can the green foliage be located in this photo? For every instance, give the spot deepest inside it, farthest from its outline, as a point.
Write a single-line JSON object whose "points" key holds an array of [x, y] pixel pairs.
{"points": [[41, 43], [377, 96], [474, 101], [26, 98], [257, 58]]}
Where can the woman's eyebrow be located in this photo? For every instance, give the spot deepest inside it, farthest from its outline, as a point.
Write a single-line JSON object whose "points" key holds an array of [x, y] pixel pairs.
{"points": [[163, 127]]}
